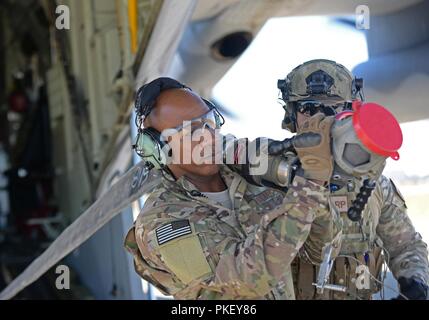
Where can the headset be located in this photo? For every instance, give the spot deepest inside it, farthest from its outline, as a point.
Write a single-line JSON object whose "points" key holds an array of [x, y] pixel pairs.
{"points": [[149, 143]]}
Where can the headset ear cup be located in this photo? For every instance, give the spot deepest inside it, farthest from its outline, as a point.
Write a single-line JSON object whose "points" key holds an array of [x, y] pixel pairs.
{"points": [[153, 148]]}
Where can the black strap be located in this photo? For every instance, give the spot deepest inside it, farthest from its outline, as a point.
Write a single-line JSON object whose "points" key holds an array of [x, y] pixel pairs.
{"points": [[147, 94]]}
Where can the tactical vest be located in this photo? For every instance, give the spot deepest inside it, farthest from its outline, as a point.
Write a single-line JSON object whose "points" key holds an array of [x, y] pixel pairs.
{"points": [[360, 247]]}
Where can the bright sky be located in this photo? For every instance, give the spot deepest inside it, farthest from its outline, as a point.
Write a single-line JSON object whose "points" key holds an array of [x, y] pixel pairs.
{"points": [[414, 153]]}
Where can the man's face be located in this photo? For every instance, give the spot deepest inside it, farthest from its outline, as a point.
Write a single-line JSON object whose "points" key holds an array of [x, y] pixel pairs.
{"points": [[301, 118], [331, 108], [193, 142]]}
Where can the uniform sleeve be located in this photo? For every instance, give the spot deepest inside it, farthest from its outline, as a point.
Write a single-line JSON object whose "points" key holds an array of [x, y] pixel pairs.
{"points": [[252, 266], [258, 263], [407, 252]]}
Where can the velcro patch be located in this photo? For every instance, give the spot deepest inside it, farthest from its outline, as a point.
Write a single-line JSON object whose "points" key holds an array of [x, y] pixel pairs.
{"points": [[340, 202], [261, 198], [172, 231]]}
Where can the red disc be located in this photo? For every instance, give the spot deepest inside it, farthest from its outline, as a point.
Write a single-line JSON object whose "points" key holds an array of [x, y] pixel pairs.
{"points": [[378, 129]]}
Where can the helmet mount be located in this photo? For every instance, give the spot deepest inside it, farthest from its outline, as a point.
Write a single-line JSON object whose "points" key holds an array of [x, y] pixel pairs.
{"points": [[326, 83]]}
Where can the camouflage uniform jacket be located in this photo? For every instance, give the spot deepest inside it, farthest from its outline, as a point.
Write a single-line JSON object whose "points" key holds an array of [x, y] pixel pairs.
{"points": [[386, 227], [190, 247]]}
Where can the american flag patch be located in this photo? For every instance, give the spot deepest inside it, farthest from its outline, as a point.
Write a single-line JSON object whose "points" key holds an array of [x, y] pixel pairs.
{"points": [[172, 231]]}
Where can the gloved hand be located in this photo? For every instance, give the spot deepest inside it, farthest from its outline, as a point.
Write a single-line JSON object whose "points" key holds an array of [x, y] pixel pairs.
{"points": [[412, 288], [313, 147]]}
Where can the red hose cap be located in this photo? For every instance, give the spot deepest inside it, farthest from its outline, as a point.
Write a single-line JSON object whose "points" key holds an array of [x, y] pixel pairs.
{"points": [[377, 129]]}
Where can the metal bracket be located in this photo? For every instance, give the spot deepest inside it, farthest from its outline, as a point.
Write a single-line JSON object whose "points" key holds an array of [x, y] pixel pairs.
{"points": [[324, 272]]}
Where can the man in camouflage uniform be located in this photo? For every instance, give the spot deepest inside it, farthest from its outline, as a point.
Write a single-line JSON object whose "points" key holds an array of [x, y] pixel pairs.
{"points": [[206, 233], [385, 232]]}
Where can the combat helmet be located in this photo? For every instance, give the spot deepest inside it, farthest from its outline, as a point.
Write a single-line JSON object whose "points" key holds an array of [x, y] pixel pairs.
{"points": [[319, 83]]}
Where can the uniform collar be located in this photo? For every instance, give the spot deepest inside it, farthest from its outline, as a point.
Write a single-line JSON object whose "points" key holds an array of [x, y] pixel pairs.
{"points": [[183, 185]]}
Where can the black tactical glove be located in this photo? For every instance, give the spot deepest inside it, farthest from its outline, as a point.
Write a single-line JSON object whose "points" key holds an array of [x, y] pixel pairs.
{"points": [[413, 289]]}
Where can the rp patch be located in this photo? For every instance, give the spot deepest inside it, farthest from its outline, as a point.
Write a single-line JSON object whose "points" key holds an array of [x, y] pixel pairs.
{"points": [[340, 202]]}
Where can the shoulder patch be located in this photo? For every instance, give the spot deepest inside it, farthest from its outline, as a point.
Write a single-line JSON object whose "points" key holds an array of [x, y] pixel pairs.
{"points": [[399, 194], [172, 230]]}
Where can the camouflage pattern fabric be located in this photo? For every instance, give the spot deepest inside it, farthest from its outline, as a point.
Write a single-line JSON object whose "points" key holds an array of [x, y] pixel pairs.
{"points": [[193, 248], [385, 227]]}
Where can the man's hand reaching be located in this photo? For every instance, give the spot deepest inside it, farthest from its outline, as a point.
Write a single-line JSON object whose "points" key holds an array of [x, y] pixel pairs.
{"points": [[313, 147]]}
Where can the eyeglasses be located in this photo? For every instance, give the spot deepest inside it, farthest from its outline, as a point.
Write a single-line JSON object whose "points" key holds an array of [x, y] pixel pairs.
{"points": [[310, 108], [212, 119]]}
